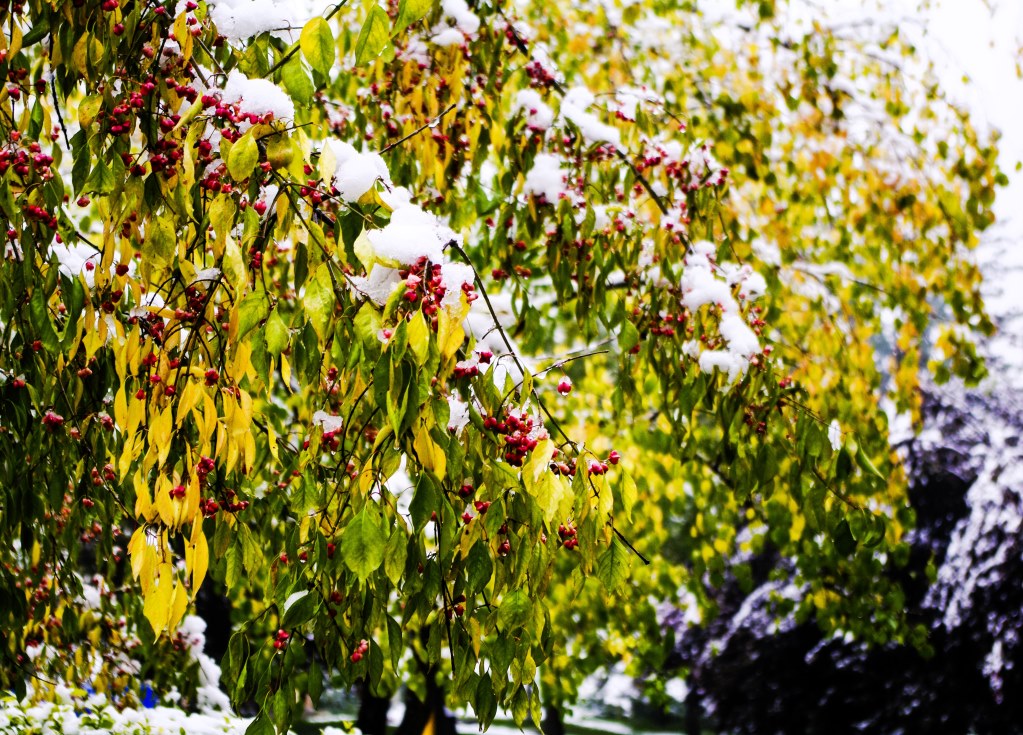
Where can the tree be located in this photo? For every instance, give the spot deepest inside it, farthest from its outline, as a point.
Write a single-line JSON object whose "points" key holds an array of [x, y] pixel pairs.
{"points": [[327, 310]]}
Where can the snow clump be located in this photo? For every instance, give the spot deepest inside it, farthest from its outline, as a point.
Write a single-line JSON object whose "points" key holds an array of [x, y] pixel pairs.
{"points": [[257, 97]]}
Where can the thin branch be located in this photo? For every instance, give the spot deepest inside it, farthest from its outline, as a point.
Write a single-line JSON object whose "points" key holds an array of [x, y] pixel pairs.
{"points": [[507, 342], [632, 548], [432, 124]]}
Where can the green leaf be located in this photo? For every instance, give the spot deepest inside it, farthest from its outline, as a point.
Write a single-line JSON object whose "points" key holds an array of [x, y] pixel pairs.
{"points": [[160, 245], [232, 567], [80, 170], [373, 37], [101, 180], [515, 611], [7, 199], [479, 567], [868, 466], [277, 335], [297, 82], [298, 609], [394, 556], [317, 44], [363, 543], [252, 309], [485, 702], [628, 494], [41, 323], [613, 566], [843, 538], [628, 337], [244, 157], [394, 641], [315, 683], [318, 300], [409, 11]]}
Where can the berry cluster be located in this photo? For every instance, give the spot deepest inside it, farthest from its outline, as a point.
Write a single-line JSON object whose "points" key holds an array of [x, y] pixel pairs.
{"points": [[360, 650], [457, 607], [26, 161], [281, 639], [424, 286], [568, 535], [52, 421], [521, 435]]}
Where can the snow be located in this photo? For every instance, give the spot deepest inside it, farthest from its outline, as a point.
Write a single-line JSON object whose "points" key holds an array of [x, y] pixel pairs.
{"points": [[72, 260], [458, 413], [465, 20], [449, 37], [453, 276], [411, 234], [835, 435], [538, 115], [378, 285], [327, 421], [466, 24], [546, 178], [238, 20], [257, 96], [700, 284], [17, 718], [741, 339], [573, 108], [356, 172]]}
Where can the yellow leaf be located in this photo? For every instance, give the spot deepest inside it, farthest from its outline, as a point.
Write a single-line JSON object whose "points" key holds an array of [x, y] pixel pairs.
{"points": [[160, 433], [121, 407], [200, 558], [148, 565], [143, 499], [430, 454], [189, 398], [164, 503], [178, 606], [419, 337], [271, 440], [80, 55], [157, 607], [183, 34], [286, 372], [136, 550], [450, 334], [190, 511]]}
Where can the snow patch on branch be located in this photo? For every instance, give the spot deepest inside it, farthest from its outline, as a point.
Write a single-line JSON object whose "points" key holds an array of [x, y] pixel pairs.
{"points": [[538, 115], [257, 97], [546, 178], [466, 24], [574, 108], [238, 20], [412, 232], [356, 172]]}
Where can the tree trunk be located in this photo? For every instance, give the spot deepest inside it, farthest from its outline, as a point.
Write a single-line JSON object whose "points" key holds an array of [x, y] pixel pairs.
{"points": [[418, 713], [553, 723], [693, 711], [372, 718]]}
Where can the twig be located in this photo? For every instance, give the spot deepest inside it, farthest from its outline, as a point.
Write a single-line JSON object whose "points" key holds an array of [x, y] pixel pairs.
{"points": [[632, 548], [433, 123], [507, 342]]}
